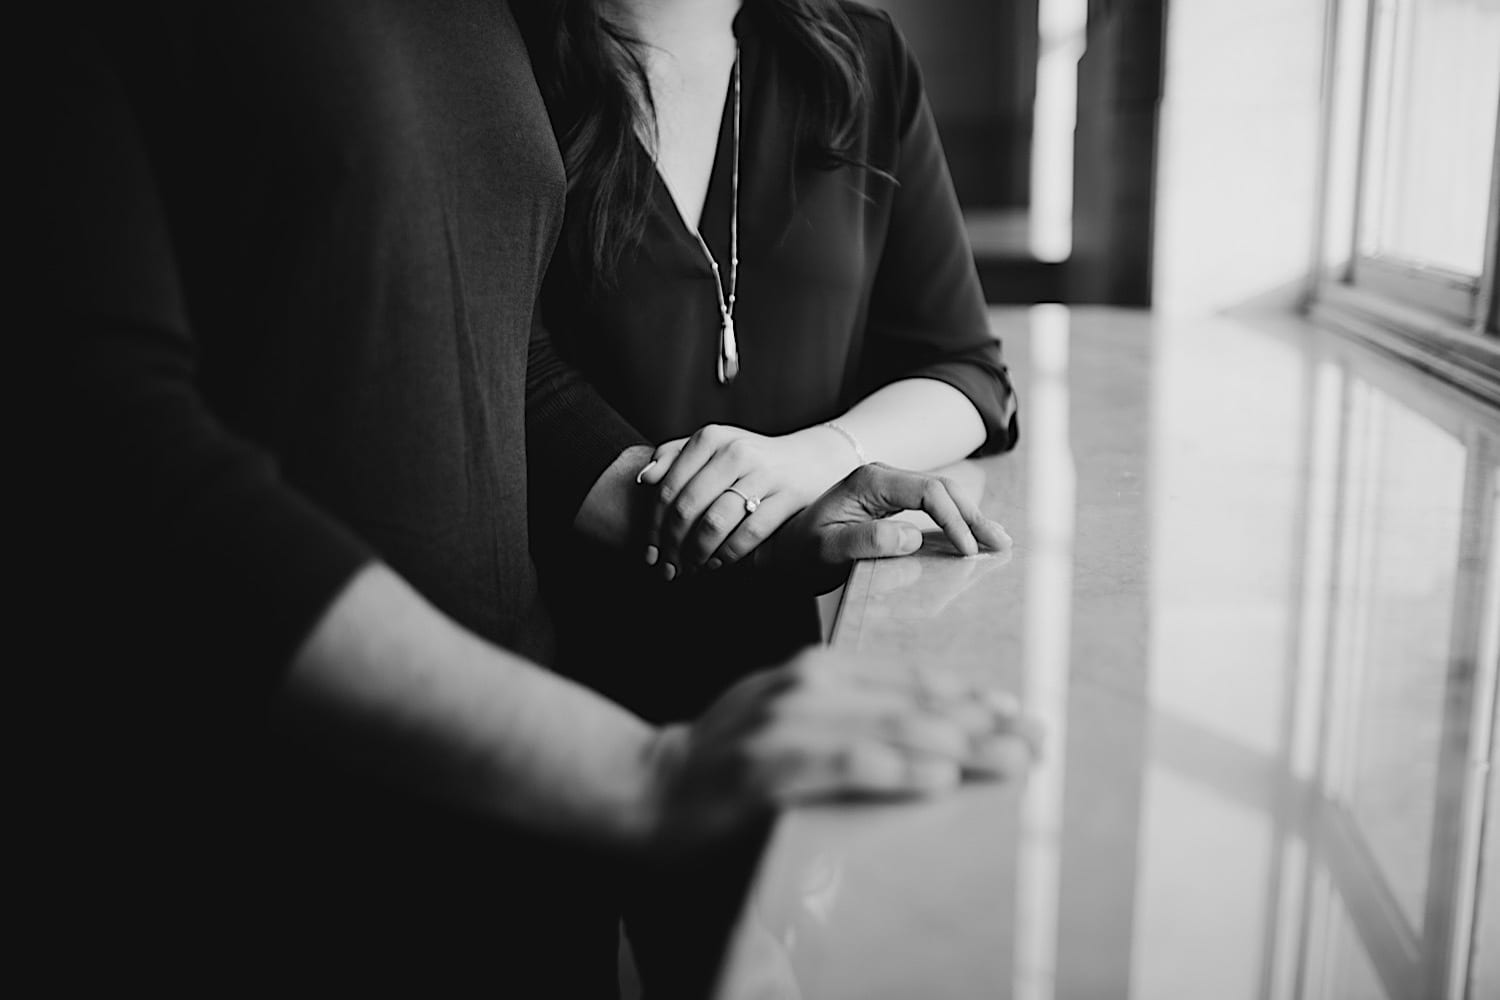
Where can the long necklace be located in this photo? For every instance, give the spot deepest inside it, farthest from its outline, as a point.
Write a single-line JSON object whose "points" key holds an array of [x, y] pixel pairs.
{"points": [[729, 349]]}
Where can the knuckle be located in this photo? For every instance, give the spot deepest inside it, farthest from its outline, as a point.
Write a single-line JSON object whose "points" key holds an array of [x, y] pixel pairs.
{"points": [[849, 761], [803, 670], [740, 449], [666, 493], [806, 669], [737, 547], [895, 726]]}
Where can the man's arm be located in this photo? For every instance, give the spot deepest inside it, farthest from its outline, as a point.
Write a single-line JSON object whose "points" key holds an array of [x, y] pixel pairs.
{"points": [[615, 510], [388, 685], [392, 688]]}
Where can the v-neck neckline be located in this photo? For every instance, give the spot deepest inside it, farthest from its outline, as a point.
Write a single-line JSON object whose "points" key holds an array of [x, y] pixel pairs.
{"points": [[716, 179]]}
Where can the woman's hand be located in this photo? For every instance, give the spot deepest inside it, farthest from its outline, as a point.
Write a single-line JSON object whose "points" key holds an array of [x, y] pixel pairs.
{"points": [[825, 727], [723, 491]]}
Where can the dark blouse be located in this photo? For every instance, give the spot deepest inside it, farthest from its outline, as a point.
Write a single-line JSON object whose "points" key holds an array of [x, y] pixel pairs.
{"points": [[847, 281]]}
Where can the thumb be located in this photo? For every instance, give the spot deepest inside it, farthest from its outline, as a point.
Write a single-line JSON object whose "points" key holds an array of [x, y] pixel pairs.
{"points": [[870, 540]]}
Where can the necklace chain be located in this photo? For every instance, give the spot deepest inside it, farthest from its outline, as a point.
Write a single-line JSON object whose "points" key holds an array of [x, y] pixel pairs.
{"points": [[729, 350]]}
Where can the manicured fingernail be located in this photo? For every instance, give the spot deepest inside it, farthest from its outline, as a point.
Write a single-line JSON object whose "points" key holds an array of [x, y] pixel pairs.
{"points": [[714, 563], [640, 477], [651, 555], [910, 540], [669, 571]]}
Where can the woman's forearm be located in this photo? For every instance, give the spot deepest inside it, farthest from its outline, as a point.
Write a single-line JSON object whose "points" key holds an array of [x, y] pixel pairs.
{"points": [[915, 423]]}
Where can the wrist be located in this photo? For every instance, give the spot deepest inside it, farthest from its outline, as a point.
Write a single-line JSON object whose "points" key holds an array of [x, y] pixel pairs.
{"points": [[851, 442], [648, 822], [615, 509], [830, 452]]}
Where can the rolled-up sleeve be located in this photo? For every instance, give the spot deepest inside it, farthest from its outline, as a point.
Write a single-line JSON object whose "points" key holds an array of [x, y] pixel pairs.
{"points": [[928, 317]]}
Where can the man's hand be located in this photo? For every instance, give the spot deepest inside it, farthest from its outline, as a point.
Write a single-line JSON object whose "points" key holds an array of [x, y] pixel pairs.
{"points": [[819, 728], [851, 522]]}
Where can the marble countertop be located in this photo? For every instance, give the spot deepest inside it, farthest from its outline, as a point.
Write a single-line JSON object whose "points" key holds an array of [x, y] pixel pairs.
{"points": [[1254, 601]]}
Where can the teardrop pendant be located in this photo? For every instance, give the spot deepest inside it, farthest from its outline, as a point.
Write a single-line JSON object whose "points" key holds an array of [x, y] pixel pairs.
{"points": [[729, 351]]}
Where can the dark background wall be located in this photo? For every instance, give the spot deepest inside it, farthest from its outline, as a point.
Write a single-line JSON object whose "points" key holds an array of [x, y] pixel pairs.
{"points": [[1114, 157], [978, 59]]}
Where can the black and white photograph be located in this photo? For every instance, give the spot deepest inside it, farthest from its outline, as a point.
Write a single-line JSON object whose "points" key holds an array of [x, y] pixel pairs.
{"points": [[760, 500]]}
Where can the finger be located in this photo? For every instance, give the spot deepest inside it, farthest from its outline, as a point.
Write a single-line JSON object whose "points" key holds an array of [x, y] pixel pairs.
{"points": [[661, 461], [690, 458], [928, 733], [990, 534], [1003, 755], [940, 504], [723, 516], [707, 486], [861, 769], [774, 511], [979, 710], [824, 679], [889, 714], [882, 539], [879, 769], [977, 714], [883, 490]]}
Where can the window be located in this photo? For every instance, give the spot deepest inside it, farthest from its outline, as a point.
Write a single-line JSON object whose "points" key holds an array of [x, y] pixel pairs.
{"points": [[1408, 235]]}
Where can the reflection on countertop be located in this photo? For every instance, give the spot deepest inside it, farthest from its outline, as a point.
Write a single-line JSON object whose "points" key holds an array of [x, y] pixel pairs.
{"points": [[1254, 599]]}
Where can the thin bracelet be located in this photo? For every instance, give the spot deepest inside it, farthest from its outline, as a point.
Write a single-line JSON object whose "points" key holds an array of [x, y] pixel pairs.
{"points": [[859, 452]]}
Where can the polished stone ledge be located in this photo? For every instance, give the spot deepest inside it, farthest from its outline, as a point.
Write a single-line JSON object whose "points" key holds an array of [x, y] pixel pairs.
{"points": [[1254, 600]]}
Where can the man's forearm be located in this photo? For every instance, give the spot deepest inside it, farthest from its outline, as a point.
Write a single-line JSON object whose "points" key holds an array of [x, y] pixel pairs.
{"points": [[388, 685], [615, 510]]}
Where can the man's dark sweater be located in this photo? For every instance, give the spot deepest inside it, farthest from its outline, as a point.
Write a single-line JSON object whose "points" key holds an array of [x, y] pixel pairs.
{"points": [[297, 251]]}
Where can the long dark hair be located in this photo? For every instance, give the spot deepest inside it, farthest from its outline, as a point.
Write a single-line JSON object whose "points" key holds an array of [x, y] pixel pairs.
{"points": [[593, 78]]}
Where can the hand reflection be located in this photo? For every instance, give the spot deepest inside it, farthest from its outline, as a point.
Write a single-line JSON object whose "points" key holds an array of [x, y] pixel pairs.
{"points": [[763, 966], [922, 588], [818, 885]]}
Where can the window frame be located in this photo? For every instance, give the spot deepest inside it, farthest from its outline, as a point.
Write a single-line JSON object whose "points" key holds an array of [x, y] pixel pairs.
{"points": [[1443, 322]]}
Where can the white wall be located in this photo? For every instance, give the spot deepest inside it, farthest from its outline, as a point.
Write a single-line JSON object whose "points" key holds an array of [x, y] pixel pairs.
{"points": [[1237, 167]]}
